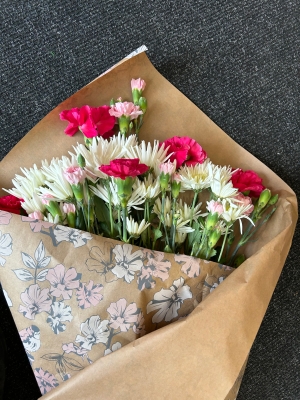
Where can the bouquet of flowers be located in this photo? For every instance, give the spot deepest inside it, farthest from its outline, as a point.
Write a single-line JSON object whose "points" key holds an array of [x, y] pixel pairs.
{"points": [[118, 187], [120, 242]]}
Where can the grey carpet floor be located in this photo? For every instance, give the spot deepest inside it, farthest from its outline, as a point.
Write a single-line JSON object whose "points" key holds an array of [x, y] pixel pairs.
{"points": [[236, 60]]}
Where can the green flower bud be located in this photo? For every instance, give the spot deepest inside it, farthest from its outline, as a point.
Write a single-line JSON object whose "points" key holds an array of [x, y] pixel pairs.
{"points": [[78, 192], [124, 189], [53, 208], [175, 189], [81, 161], [273, 200], [167, 249], [164, 180], [264, 198], [71, 219], [213, 238], [124, 124], [136, 94], [143, 104], [112, 102], [211, 220]]}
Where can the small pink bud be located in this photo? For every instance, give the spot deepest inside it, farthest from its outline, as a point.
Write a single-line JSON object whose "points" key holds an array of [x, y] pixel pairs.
{"points": [[69, 208], [46, 198], [215, 207], [168, 168], [139, 84], [74, 175]]}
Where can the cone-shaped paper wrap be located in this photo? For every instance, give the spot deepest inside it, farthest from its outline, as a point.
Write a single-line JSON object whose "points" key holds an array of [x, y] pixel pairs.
{"points": [[76, 297]]}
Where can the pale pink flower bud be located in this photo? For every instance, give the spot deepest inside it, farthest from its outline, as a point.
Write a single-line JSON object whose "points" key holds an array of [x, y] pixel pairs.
{"points": [[215, 207], [36, 215], [74, 175], [46, 198], [139, 84], [69, 208], [126, 109], [168, 168], [244, 201]]}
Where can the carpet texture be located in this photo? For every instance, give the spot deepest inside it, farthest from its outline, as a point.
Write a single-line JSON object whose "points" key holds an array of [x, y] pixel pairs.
{"points": [[236, 60]]}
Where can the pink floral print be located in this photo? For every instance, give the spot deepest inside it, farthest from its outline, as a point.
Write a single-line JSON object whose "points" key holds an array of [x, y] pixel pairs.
{"points": [[5, 217], [35, 300], [36, 225], [63, 281], [121, 316], [45, 380], [155, 266], [89, 294], [190, 265]]}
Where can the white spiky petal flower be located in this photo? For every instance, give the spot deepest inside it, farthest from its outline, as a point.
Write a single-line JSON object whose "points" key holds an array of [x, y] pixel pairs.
{"points": [[102, 151], [196, 177], [150, 155], [233, 212], [134, 228], [221, 185], [55, 183], [151, 186]]}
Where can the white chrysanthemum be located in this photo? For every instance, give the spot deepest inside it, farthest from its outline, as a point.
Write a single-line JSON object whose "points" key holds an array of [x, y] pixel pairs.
{"points": [[57, 185], [25, 186], [151, 186], [138, 197], [186, 211], [196, 177], [150, 155], [221, 185], [134, 229], [158, 206], [51, 170], [102, 151], [33, 204], [101, 191], [233, 212]]}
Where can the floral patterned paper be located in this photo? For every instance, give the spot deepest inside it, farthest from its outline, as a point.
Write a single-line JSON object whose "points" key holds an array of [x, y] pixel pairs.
{"points": [[76, 297]]}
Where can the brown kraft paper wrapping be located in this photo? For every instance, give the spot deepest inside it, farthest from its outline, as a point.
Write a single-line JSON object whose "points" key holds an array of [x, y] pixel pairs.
{"points": [[203, 355]]}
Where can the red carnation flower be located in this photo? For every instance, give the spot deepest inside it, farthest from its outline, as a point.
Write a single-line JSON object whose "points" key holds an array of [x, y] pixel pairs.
{"points": [[247, 181], [123, 168], [10, 204], [92, 121], [186, 151]]}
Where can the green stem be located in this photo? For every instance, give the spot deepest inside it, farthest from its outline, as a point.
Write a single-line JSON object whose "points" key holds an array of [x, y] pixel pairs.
{"points": [[223, 244], [124, 215], [193, 206]]}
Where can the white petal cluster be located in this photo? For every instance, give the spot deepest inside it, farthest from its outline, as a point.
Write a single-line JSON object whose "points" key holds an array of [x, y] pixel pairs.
{"points": [[221, 185], [150, 155], [233, 212], [134, 228], [196, 177]]}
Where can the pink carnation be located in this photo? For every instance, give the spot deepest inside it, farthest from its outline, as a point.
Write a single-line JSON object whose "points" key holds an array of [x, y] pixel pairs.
{"points": [[74, 175], [215, 207], [244, 201], [247, 181], [185, 151], [168, 167], [92, 121], [126, 109], [138, 84]]}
